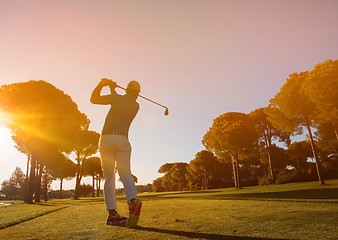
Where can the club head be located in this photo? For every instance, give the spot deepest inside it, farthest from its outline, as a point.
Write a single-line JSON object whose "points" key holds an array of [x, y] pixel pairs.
{"points": [[166, 112]]}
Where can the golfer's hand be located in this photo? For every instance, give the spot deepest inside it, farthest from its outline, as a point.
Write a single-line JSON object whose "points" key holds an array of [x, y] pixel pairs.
{"points": [[112, 84], [105, 82]]}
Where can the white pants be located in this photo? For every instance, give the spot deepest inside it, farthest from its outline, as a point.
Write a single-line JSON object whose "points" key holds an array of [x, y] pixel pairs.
{"points": [[116, 149]]}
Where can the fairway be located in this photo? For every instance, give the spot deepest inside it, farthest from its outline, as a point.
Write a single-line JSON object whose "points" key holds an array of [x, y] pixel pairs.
{"points": [[269, 212]]}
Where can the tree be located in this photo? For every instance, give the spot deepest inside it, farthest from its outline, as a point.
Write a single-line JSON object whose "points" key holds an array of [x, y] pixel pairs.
{"points": [[62, 168], [40, 115], [22, 148], [298, 153], [321, 87], [278, 157], [144, 188], [157, 185], [194, 177], [93, 168], [178, 175], [18, 179], [204, 165], [14, 187], [267, 134], [291, 110], [85, 190], [47, 154], [167, 169], [326, 136], [8, 189], [40, 153], [232, 134], [174, 178], [85, 146], [166, 182], [330, 165]]}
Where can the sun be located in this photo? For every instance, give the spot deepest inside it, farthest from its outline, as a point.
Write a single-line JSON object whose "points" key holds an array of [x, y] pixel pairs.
{"points": [[10, 157], [5, 117], [5, 134]]}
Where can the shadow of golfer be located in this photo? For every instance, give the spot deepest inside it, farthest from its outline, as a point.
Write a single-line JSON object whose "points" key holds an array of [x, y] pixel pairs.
{"points": [[208, 236]]}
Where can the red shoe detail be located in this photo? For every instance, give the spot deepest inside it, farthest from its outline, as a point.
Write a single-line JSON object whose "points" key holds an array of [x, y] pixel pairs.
{"points": [[115, 221], [136, 210]]}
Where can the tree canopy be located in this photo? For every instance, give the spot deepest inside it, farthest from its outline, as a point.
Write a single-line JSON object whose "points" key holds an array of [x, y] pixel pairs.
{"points": [[267, 133], [297, 109], [42, 111], [231, 134], [321, 86], [44, 121]]}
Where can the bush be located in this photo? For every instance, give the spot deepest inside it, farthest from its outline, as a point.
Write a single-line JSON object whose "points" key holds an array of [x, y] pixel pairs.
{"points": [[286, 176], [265, 180], [85, 190], [144, 188], [65, 194]]}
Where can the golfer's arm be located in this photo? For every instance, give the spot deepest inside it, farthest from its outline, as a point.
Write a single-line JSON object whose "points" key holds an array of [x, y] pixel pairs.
{"points": [[96, 97]]}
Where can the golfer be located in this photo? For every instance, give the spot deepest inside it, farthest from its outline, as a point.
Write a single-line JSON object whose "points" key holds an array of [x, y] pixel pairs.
{"points": [[115, 148]]}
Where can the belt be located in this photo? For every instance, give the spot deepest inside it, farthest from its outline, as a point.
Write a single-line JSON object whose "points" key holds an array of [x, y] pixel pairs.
{"points": [[114, 133]]}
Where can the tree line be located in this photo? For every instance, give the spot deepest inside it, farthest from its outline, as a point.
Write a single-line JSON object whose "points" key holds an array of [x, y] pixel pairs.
{"points": [[15, 187], [241, 149], [255, 148]]}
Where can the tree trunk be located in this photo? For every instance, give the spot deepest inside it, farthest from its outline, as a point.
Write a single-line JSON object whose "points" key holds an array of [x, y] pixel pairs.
{"points": [[37, 195], [30, 189], [237, 173], [334, 127], [93, 193], [77, 185], [60, 193], [267, 140], [98, 179], [272, 177], [46, 186], [204, 182], [98, 186], [207, 182], [234, 171], [78, 180], [26, 181], [321, 180]]}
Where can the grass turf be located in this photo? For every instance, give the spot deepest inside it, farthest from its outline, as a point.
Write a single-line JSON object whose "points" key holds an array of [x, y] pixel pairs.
{"points": [[213, 214]]}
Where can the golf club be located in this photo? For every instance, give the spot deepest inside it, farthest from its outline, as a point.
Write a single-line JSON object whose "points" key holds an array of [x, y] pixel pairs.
{"points": [[166, 109]]}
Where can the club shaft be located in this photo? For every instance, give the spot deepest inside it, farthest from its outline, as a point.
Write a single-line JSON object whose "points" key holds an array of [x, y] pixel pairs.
{"points": [[145, 98]]}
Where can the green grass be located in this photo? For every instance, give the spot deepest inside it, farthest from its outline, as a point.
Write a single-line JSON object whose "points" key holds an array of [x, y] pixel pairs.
{"points": [[304, 192], [293, 211], [18, 213]]}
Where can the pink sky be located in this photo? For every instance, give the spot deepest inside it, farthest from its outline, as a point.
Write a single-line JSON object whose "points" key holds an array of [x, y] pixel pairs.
{"points": [[201, 58]]}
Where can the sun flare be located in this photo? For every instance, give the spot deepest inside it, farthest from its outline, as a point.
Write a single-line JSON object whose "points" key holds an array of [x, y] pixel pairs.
{"points": [[5, 117], [5, 135]]}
